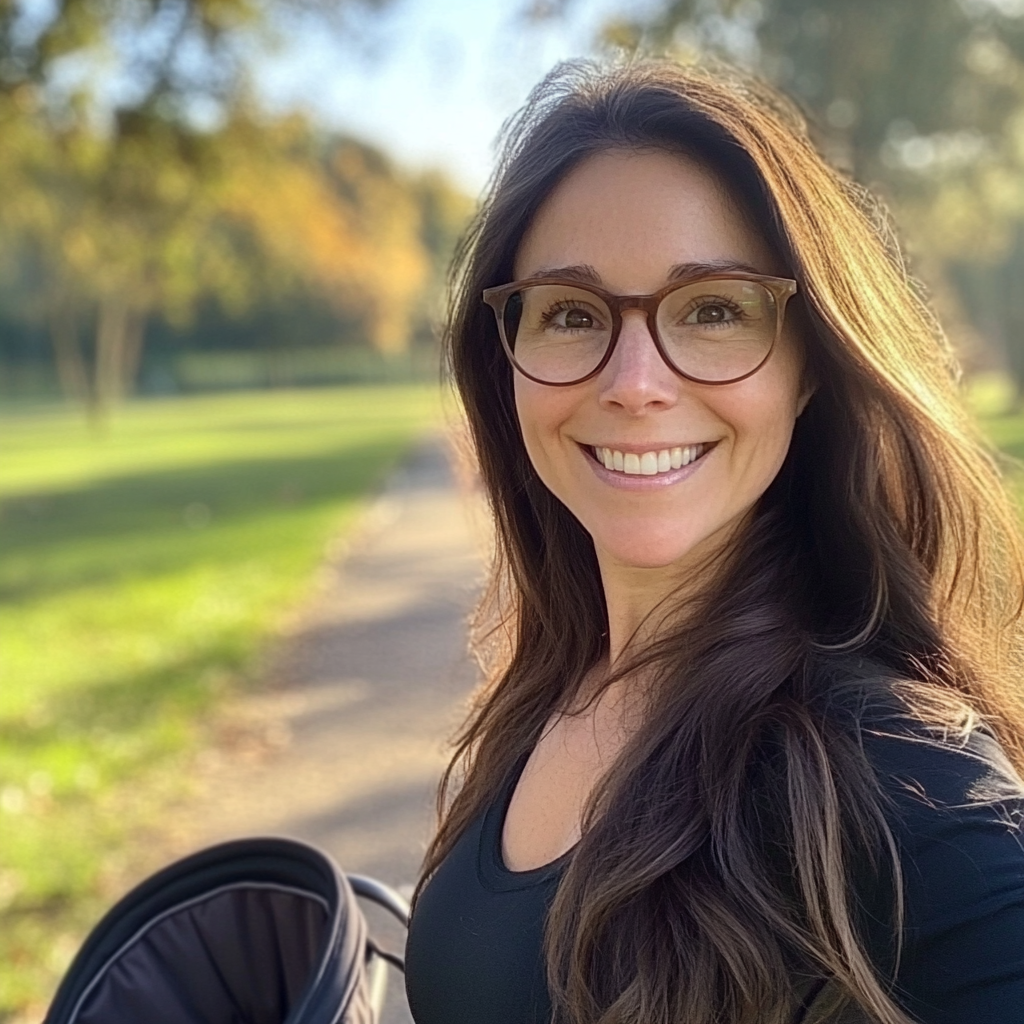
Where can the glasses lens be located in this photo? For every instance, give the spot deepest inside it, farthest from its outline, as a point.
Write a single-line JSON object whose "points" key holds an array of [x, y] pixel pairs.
{"points": [[718, 329], [558, 333]]}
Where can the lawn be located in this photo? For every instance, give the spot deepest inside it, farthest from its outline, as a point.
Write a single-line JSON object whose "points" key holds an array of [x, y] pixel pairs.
{"points": [[141, 572]]}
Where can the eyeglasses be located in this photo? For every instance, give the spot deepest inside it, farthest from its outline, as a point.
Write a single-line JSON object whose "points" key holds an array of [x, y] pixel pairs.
{"points": [[711, 330]]}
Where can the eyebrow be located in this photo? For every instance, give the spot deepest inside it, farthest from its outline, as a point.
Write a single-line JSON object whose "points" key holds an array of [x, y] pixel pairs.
{"points": [[578, 272], [586, 274], [685, 270]]}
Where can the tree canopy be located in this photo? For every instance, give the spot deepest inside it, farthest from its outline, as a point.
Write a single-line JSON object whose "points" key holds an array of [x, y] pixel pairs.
{"points": [[141, 179]]}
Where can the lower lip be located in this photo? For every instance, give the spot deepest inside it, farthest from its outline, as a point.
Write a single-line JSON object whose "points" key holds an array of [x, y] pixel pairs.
{"points": [[639, 482]]}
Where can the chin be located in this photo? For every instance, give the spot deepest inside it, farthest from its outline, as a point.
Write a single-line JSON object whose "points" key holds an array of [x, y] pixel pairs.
{"points": [[646, 549]]}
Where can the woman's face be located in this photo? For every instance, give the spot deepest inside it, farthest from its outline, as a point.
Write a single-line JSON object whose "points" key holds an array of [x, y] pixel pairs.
{"points": [[627, 219]]}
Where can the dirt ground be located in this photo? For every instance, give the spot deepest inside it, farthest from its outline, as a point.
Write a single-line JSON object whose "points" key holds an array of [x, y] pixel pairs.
{"points": [[343, 744]]}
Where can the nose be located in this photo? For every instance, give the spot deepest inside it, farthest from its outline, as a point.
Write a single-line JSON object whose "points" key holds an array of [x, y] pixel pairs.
{"points": [[636, 378]]}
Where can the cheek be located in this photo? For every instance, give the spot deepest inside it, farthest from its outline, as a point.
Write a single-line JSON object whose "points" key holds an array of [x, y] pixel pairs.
{"points": [[541, 410], [762, 420], [526, 413]]}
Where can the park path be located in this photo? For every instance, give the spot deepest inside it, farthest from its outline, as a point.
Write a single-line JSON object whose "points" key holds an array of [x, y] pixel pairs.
{"points": [[344, 744]]}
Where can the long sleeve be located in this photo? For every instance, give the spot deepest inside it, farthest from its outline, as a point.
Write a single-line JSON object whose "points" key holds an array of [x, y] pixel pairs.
{"points": [[958, 812]]}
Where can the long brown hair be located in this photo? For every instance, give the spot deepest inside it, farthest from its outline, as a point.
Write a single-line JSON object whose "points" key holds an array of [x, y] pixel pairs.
{"points": [[719, 854]]}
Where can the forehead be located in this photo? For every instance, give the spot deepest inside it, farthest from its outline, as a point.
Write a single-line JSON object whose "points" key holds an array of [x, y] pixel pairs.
{"points": [[632, 216]]}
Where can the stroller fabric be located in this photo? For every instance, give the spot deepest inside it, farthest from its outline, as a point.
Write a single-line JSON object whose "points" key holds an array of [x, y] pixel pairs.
{"points": [[256, 931]]}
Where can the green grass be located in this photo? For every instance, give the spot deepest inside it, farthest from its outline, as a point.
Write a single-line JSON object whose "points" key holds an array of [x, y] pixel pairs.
{"points": [[140, 572], [1007, 433]]}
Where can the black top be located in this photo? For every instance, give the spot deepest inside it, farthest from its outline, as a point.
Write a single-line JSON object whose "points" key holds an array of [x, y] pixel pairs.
{"points": [[474, 952]]}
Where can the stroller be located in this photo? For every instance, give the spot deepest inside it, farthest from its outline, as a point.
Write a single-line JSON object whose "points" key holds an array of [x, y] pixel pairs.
{"points": [[254, 931]]}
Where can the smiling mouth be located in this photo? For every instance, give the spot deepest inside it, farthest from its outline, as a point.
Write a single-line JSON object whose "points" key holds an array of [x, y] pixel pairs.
{"points": [[651, 463]]}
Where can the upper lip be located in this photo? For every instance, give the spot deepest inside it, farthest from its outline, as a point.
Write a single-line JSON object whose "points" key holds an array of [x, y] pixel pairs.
{"points": [[641, 449]]}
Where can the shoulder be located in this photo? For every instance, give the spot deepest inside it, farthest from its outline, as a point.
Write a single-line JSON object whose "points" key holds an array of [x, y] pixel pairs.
{"points": [[925, 768], [923, 761], [928, 768], [955, 806]]}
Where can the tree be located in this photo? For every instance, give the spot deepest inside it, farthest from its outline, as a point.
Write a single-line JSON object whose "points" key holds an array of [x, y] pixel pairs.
{"points": [[143, 202]]}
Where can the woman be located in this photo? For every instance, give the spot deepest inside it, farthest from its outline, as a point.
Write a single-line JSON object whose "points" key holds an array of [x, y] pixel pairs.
{"points": [[748, 750]]}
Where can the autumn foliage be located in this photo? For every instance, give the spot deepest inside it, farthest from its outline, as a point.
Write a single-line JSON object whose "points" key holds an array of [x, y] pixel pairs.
{"points": [[115, 216]]}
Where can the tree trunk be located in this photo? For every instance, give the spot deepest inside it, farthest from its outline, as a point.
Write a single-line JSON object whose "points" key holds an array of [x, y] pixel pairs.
{"points": [[112, 349], [71, 369], [135, 332], [120, 332]]}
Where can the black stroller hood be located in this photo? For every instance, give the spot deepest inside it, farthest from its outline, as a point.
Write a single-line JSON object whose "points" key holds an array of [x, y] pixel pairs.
{"points": [[256, 931]]}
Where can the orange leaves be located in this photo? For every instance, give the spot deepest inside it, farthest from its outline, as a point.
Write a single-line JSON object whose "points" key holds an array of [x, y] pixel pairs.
{"points": [[293, 214], [257, 212], [342, 223]]}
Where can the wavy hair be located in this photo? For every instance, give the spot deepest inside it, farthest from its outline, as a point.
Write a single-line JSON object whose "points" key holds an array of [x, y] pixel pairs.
{"points": [[720, 854]]}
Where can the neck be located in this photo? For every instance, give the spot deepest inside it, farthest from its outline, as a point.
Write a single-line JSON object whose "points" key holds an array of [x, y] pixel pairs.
{"points": [[644, 602], [639, 601]]}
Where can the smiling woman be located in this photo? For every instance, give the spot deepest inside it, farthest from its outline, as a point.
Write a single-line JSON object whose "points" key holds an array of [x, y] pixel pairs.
{"points": [[751, 751], [664, 211]]}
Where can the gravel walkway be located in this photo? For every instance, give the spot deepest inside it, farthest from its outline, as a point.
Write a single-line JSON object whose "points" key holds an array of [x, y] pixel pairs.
{"points": [[344, 745]]}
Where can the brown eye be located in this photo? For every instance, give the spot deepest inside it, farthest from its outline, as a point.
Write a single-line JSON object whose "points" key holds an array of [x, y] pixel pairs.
{"points": [[578, 319], [571, 316], [712, 314]]}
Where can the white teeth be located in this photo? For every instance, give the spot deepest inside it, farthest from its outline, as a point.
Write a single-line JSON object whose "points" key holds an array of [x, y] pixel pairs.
{"points": [[649, 463]]}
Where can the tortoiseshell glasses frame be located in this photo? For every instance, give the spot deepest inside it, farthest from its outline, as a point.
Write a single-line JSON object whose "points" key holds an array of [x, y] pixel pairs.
{"points": [[780, 289]]}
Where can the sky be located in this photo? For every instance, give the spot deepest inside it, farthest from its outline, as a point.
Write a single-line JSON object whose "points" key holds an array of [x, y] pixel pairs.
{"points": [[432, 81]]}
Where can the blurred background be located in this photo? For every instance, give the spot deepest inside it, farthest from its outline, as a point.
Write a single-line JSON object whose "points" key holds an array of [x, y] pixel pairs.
{"points": [[224, 229]]}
